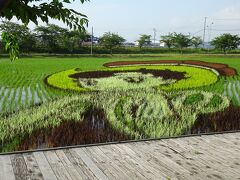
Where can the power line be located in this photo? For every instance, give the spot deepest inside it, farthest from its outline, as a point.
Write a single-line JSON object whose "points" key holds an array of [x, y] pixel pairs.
{"points": [[225, 29], [197, 32], [209, 32], [227, 19]]}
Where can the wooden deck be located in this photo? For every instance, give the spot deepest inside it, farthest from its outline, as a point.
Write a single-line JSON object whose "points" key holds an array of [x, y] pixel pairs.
{"points": [[204, 157]]}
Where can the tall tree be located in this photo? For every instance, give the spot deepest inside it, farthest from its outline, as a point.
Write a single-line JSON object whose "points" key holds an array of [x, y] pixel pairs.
{"points": [[144, 40], [24, 36], [51, 36], [111, 40], [196, 41], [32, 10], [168, 40], [181, 41], [57, 39], [226, 42], [74, 39]]}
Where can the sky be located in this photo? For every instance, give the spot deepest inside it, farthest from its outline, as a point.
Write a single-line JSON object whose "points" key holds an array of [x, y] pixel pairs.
{"points": [[130, 18]]}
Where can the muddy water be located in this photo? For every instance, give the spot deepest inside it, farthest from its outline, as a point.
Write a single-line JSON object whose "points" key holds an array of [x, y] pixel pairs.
{"points": [[14, 98], [93, 129]]}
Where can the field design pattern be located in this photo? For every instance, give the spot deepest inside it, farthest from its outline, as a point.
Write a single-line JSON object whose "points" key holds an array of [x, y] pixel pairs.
{"points": [[223, 69]]}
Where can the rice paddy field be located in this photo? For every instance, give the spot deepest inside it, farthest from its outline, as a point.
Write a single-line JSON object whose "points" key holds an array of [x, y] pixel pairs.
{"points": [[61, 101]]}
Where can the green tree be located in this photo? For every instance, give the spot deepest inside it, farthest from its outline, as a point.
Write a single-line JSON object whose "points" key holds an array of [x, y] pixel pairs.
{"points": [[11, 45], [3, 4], [32, 10], [51, 37], [56, 39], [74, 39], [23, 35], [144, 40], [196, 41], [226, 42], [111, 40], [168, 40], [181, 41]]}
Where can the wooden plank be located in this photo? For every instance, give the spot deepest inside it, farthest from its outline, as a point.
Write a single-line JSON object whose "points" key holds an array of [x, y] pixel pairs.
{"points": [[6, 169], [57, 166], [44, 166], [121, 164], [19, 167], [105, 164], [78, 163], [233, 138], [203, 157], [151, 171], [117, 165], [230, 136], [194, 165], [91, 165], [32, 167], [137, 169], [209, 160], [212, 145], [189, 164], [167, 165], [230, 145], [221, 155], [68, 165]]}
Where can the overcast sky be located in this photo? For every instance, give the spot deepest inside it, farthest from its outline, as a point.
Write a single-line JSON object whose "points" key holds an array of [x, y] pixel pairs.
{"points": [[130, 18]]}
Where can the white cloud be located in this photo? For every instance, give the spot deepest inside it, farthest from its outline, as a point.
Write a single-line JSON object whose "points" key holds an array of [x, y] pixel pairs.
{"points": [[228, 13]]}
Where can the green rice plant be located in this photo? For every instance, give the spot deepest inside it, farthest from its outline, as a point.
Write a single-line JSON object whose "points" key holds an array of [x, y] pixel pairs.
{"points": [[50, 115], [140, 113], [193, 99], [201, 107], [45, 94], [62, 81], [34, 69], [11, 100], [215, 101], [19, 100], [26, 96], [39, 94], [121, 81], [195, 77], [32, 92], [147, 113], [5, 99]]}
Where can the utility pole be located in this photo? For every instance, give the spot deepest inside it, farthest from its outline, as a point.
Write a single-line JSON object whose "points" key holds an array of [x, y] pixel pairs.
{"points": [[204, 31], [209, 37], [92, 42], [154, 36], [210, 31]]}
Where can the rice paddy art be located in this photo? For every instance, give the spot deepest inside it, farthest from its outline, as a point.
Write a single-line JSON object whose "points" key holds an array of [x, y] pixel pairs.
{"points": [[123, 101]]}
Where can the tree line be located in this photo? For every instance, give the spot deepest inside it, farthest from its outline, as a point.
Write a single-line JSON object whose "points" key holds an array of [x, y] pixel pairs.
{"points": [[55, 39], [45, 39]]}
